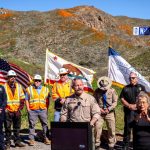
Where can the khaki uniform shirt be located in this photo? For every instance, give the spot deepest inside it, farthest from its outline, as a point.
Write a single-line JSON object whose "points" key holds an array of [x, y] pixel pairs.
{"points": [[111, 101], [80, 109]]}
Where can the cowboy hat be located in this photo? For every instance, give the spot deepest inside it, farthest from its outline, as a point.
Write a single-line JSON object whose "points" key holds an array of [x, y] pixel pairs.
{"points": [[104, 83]]}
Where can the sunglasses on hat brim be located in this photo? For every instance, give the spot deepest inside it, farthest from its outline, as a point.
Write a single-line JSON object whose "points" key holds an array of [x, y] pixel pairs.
{"points": [[63, 74]]}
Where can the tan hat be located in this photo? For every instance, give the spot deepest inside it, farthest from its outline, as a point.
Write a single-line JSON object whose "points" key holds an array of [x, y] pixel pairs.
{"points": [[104, 83]]}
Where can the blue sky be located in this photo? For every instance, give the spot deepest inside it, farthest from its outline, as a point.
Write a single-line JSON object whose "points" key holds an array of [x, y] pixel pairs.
{"points": [[130, 8]]}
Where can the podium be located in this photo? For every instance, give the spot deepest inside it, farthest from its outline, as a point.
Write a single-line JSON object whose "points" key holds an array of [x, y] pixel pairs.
{"points": [[71, 136]]}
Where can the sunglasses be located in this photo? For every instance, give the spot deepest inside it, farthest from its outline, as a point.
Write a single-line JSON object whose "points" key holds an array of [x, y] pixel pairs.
{"points": [[132, 78], [37, 80], [12, 77], [62, 75]]}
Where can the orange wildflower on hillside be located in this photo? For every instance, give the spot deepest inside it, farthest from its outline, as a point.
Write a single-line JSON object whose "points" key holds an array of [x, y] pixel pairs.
{"points": [[126, 28], [64, 13]]}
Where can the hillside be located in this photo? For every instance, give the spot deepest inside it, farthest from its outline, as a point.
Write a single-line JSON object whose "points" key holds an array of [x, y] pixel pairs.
{"points": [[80, 34]]}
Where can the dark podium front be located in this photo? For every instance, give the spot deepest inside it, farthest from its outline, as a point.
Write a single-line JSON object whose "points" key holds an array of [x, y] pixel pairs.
{"points": [[71, 136]]}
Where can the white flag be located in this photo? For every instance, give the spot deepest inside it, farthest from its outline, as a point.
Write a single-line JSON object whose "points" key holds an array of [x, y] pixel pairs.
{"points": [[54, 63], [119, 70]]}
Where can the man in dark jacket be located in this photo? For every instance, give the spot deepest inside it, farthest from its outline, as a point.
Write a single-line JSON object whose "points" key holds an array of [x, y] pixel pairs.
{"points": [[3, 99], [128, 99]]}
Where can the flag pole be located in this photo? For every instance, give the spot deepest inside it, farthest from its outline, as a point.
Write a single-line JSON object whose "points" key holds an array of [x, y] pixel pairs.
{"points": [[109, 44], [108, 56], [46, 62]]}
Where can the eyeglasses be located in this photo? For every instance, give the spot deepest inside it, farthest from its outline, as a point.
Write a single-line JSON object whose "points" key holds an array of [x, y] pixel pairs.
{"points": [[37, 80], [142, 102], [132, 78]]}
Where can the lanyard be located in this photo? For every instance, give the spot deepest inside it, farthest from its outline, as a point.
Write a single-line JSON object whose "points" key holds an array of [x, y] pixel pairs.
{"points": [[104, 97]]}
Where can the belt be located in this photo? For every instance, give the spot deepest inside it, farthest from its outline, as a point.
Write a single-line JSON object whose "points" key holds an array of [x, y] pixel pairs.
{"points": [[58, 109]]}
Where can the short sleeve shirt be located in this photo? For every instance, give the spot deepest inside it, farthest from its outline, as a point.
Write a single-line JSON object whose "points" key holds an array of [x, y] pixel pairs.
{"points": [[130, 92]]}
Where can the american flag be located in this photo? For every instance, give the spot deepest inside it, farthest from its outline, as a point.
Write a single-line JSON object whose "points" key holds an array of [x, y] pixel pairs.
{"points": [[22, 77]]}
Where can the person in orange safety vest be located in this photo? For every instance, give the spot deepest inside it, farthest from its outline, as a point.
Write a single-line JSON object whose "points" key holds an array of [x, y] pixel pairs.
{"points": [[36, 103], [61, 89], [15, 103]]}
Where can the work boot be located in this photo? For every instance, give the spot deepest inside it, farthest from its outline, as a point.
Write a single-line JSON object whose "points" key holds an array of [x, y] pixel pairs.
{"points": [[19, 144], [7, 147], [97, 147], [31, 143], [111, 148], [47, 141]]}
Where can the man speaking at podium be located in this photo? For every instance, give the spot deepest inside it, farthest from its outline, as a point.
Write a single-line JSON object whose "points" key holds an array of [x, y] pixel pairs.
{"points": [[80, 107]]}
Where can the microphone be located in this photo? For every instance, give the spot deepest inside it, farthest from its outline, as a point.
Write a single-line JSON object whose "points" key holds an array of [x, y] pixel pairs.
{"points": [[79, 103], [76, 107]]}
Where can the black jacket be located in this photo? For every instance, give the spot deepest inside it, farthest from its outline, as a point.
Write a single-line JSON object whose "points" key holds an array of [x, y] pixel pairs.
{"points": [[3, 97]]}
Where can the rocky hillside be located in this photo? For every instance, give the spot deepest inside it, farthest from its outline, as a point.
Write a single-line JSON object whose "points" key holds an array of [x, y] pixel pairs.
{"points": [[80, 34]]}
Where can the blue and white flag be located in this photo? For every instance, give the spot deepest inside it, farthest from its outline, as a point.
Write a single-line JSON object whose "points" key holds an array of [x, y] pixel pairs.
{"points": [[141, 30], [119, 70]]}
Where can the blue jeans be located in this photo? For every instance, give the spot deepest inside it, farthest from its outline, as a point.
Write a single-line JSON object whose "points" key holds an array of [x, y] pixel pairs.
{"points": [[57, 116]]}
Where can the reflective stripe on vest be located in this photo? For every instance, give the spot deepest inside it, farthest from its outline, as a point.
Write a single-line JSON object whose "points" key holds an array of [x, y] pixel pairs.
{"points": [[37, 101], [13, 101]]}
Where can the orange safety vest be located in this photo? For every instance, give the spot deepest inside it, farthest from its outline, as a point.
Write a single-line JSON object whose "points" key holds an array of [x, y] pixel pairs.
{"points": [[36, 100], [13, 101], [62, 90]]}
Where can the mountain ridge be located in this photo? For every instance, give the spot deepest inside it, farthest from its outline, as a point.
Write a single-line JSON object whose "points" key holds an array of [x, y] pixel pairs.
{"points": [[80, 34]]}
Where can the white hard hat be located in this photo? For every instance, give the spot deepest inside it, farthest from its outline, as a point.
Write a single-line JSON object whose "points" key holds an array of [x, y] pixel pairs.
{"points": [[63, 71], [11, 73], [37, 77]]}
